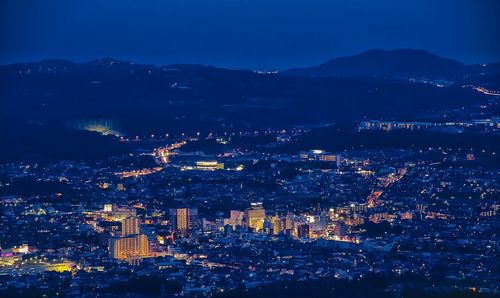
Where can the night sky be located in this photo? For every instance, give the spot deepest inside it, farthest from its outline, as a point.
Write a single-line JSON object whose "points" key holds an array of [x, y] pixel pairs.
{"points": [[257, 34]]}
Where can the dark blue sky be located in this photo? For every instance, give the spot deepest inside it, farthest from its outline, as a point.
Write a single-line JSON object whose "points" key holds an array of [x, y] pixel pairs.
{"points": [[245, 33]]}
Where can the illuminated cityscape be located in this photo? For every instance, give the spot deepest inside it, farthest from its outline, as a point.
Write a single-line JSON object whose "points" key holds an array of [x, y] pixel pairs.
{"points": [[250, 149], [357, 209]]}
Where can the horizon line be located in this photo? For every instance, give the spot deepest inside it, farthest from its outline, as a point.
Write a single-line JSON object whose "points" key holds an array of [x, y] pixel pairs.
{"points": [[137, 61]]}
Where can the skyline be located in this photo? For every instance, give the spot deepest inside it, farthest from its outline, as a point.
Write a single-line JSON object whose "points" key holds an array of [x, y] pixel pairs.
{"points": [[245, 34]]}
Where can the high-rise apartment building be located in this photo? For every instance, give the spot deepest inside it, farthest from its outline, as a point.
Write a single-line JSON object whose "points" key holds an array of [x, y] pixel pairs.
{"points": [[131, 226], [183, 219], [132, 246]]}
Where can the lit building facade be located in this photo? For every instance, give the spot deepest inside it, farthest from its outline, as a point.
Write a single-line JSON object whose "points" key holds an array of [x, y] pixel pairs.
{"points": [[209, 165], [320, 155], [131, 226], [132, 246], [236, 218], [255, 216], [183, 219]]}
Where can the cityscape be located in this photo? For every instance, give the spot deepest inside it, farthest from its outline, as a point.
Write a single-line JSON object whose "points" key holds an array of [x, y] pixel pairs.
{"points": [[371, 175]]}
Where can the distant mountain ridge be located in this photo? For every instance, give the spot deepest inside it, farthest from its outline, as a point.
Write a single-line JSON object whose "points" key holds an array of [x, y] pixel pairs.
{"points": [[402, 64], [146, 98], [398, 64]]}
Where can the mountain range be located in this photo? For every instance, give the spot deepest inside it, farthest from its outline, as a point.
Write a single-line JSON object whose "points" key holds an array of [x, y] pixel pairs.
{"points": [[180, 97], [401, 64]]}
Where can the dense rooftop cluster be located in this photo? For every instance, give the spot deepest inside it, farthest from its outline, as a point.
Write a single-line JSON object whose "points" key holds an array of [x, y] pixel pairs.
{"points": [[253, 218]]}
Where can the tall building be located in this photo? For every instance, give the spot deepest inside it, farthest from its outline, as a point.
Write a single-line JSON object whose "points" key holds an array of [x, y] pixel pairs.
{"points": [[255, 216], [132, 246], [236, 218], [303, 231], [143, 245], [289, 222], [131, 226], [183, 219], [277, 225]]}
